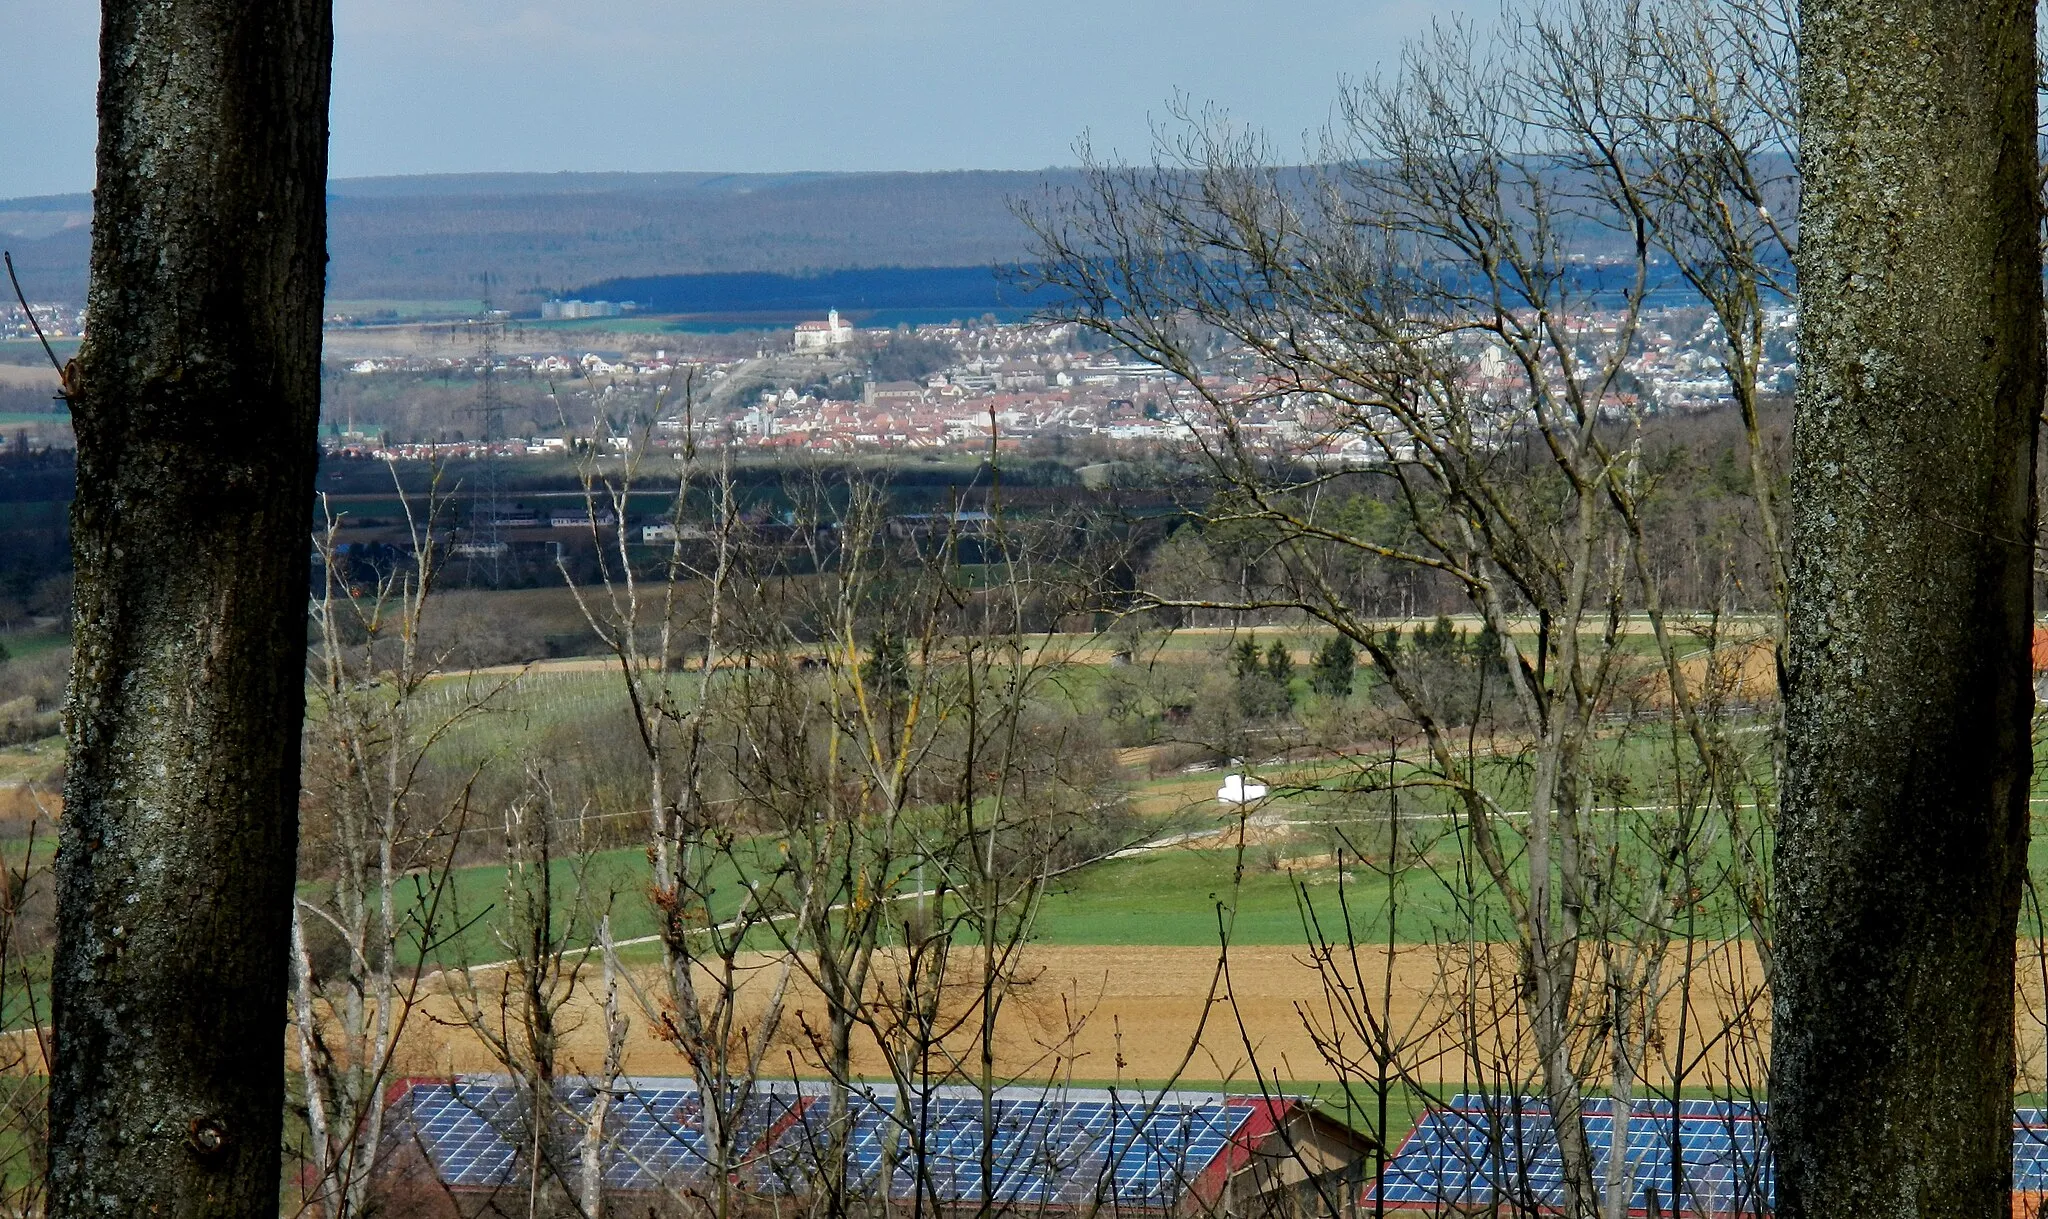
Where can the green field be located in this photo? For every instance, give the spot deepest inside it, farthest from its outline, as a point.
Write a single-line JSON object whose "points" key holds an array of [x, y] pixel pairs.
{"points": [[33, 514], [1178, 894], [405, 310], [611, 325], [1184, 894], [33, 643], [1189, 897], [29, 351]]}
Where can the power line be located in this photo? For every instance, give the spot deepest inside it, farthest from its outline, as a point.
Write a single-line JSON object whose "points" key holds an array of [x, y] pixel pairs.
{"points": [[489, 411]]}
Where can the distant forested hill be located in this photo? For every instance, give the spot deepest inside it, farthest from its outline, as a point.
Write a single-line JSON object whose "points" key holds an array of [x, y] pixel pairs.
{"points": [[432, 238], [48, 236], [970, 290]]}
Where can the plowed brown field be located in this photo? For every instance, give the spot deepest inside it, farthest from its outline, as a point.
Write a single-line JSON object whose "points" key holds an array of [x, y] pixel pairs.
{"points": [[1102, 1013], [1140, 1013]]}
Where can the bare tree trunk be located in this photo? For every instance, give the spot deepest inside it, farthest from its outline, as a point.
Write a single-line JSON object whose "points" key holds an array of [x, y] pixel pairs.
{"points": [[195, 399], [1903, 834], [605, 1087], [365, 832], [330, 1191]]}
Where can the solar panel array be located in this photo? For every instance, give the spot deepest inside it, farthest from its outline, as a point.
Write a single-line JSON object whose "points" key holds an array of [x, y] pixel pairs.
{"points": [[2030, 1150], [1487, 1150], [469, 1128], [1046, 1148], [1482, 1150]]}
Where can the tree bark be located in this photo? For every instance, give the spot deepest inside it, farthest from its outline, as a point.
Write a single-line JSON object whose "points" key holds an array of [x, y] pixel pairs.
{"points": [[1904, 826], [196, 399]]}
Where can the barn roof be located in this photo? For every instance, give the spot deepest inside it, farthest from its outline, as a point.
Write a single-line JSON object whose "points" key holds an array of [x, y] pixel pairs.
{"points": [[1053, 1148]]}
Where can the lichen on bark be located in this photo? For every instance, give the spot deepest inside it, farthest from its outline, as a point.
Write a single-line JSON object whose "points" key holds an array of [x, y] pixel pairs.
{"points": [[1902, 840], [196, 415]]}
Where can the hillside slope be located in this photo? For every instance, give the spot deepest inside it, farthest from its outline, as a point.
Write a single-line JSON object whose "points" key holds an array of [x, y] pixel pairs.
{"points": [[432, 238]]}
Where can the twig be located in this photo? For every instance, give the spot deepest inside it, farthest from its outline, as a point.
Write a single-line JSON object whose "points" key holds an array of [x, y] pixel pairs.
{"points": [[8, 257]]}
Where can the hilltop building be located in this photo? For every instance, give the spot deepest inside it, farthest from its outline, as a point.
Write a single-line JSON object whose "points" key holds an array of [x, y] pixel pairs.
{"points": [[828, 335]]}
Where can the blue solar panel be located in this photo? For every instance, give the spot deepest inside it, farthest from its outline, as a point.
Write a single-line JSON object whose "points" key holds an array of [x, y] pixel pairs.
{"points": [[474, 1130], [1043, 1148], [2030, 1150], [1482, 1151]]}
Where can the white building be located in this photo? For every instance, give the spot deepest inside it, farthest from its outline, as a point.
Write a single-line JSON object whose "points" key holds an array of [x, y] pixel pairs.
{"points": [[581, 518], [828, 335], [569, 310]]}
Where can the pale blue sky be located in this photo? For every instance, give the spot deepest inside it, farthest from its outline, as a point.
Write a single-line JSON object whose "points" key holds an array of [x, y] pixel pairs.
{"points": [[442, 86]]}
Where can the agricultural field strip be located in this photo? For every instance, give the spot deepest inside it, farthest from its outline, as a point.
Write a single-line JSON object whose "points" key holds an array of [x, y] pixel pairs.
{"points": [[1129, 852], [1092, 649], [737, 924], [1153, 846]]}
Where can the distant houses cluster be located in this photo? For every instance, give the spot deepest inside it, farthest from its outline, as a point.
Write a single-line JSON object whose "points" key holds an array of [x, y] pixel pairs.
{"points": [[1016, 384]]}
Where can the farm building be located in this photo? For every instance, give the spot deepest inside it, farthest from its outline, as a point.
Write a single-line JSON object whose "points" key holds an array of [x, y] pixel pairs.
{"points": [[1064, 1151], [1481, 1152]]}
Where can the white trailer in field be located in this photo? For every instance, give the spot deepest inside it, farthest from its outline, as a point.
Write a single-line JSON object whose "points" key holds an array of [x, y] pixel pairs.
{"points": [[1239, 791]]}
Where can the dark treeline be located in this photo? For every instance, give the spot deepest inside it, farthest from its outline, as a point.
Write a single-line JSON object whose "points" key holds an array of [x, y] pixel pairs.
{"points": [[1692, 463], [973, 288]]}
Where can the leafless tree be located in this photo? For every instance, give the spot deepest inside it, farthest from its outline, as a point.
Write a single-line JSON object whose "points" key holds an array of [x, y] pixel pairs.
{"points": [[1424, 313], [379, 847], [699, 1008], [24, 1047], [550, 916]]}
